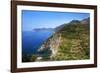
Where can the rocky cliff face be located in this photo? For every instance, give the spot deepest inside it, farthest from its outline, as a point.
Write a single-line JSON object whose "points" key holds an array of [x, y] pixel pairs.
{"points": [[69, 42], [52, 44], [85, 21]]}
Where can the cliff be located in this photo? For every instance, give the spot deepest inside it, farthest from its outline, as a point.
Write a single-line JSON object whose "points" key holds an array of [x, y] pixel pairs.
{"points": [[51, 45], [69, 42]]}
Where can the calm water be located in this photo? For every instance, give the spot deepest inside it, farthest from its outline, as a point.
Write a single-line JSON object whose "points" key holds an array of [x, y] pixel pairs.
{"points": [[32, 40]]}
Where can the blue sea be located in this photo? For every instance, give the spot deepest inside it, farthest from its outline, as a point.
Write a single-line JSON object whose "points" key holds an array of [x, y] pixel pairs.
{"points": [[32, 40]]}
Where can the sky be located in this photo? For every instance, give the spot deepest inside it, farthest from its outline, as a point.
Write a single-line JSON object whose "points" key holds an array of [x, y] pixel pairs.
{"points": [[47, 19]]}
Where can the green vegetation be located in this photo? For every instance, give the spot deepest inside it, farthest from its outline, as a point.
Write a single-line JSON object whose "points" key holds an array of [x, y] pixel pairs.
{"points": [[70, 42], [29, 58], [74, 43]]}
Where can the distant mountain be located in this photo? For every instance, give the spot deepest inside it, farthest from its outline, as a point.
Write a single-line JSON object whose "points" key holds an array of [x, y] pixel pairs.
{"points": [[74, 22], [60, 27], [65, 24], [69, 42], [85, 21], [39, 29]]}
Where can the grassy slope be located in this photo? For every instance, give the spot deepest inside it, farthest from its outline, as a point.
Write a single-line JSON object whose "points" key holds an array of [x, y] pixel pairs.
{"points": [[75, 42]]}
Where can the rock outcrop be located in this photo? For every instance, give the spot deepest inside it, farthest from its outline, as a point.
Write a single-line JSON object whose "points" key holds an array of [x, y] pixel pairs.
{"points": [[52, 44], [69, 42]]}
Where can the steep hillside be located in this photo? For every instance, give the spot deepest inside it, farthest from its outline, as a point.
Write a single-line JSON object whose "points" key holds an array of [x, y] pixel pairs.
{"points": [[70, 42]]}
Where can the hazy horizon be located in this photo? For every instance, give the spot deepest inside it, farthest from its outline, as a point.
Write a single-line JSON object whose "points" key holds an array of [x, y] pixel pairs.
{"points": [[44, 19]]}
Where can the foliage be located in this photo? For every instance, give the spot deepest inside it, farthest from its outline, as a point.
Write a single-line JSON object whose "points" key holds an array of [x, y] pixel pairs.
{"points": [[75, 43], [29, 58], [33, 58]]}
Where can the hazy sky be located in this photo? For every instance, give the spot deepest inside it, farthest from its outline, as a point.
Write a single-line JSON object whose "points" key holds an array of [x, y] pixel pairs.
{"points": [[43, 19]]}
